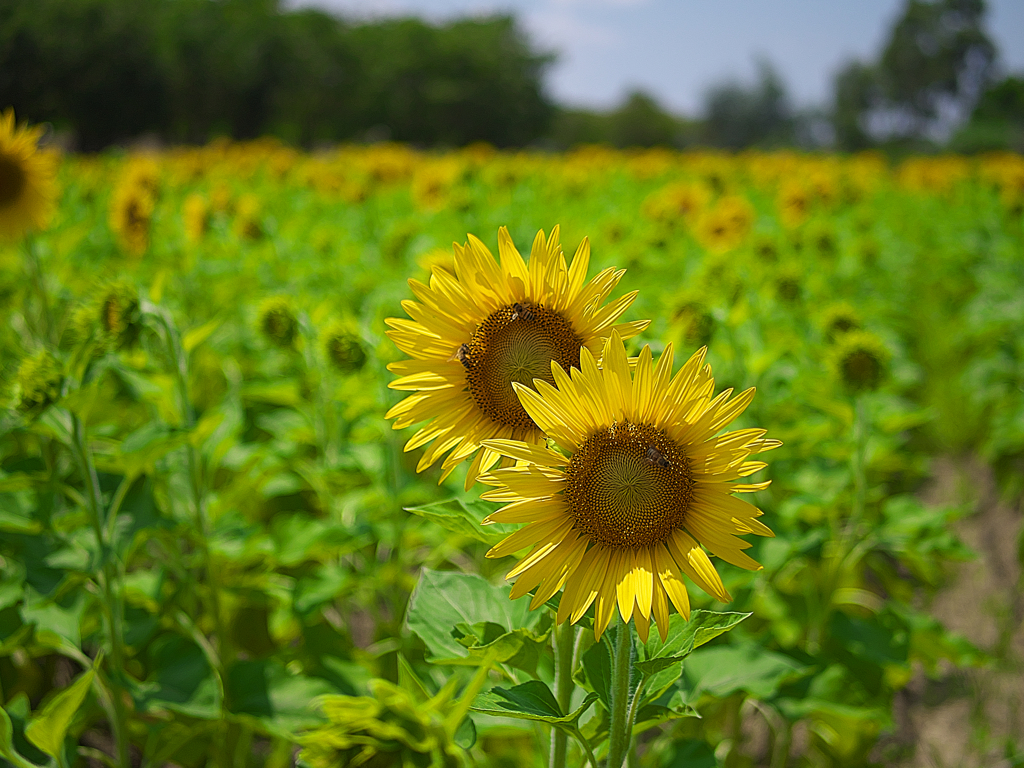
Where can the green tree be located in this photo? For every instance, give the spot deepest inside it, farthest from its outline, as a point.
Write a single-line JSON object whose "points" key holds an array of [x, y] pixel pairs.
{"points": [[189, 70], [88, 64], [737, 116], [938, 57], [935, 64], [470, 80], [998, 120], [856, 90], [642, 122]]}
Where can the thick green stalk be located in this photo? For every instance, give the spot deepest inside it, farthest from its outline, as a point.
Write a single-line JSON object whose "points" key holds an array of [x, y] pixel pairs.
{"points": [[110, 603], [860, 429], [223, 652], [563, 690], [619, 736]]}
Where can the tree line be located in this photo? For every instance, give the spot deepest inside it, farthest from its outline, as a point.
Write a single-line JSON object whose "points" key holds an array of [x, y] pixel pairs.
{"points": [[189, 70], [109, 71]]}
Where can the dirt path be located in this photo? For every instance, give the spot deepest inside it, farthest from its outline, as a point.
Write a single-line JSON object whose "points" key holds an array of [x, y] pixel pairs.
{"points": [[975, 717]]}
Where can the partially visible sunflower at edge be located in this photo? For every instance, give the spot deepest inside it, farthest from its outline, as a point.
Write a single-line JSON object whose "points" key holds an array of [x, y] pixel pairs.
{"points": [[475, 334], [27, 178], [641, 481]]}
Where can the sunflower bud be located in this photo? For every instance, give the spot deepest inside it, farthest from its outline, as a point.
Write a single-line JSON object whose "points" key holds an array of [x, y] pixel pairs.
{"points": [[39, 382], [860, 361], [767, 249], [839, 319], [787, 286], [277, 321], [343, 348], [119, 316], [386, 730]]}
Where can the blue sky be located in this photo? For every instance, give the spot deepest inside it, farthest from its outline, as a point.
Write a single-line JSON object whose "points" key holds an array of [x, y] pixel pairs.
{"points": [[676, 49]]}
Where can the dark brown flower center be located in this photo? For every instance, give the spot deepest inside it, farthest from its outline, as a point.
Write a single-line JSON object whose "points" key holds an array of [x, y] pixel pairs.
{"points": [[516, 343], [629, 486], [12, 181]]}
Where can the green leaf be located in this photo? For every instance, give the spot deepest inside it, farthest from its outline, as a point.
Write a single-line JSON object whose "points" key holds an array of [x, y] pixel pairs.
{"points": [[683, 637], [48, 728], [532, 700], [443, 600], [11, 522], [465, 519], [270, 692], [197, 336], [183, 681], [596, 665], [7, 751], [62, 618], [465, 734], [145, 446], [725, 669], [519, 648], [651, 715], [691, 753]]}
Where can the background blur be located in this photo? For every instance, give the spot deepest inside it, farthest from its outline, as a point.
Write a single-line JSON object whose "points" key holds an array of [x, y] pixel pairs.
{"points": [[905, 76]]}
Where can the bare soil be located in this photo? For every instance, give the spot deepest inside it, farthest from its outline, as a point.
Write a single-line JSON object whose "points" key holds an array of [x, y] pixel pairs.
{"points": [[973, 718]]}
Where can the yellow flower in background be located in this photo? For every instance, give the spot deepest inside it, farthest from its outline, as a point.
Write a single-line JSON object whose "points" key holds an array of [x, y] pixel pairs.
{"points": [[434, 182], [196, 213], [248, 224], [677, 202], [131, 214], [474, 334], [726, 225], [27, 178], [794, 202], [142, 172], [618, 518]]}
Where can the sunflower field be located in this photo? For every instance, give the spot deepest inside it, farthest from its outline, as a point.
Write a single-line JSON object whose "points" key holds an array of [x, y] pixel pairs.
{"points": [[223, 541]]}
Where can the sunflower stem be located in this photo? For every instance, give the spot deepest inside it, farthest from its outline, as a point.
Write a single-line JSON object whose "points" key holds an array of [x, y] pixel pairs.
{"points": [[859, 475], [564, 647], [35, 269], [619, 736], [110, 584]]}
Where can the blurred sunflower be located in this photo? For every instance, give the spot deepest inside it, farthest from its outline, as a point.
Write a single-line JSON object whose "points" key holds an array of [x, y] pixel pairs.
{"points": [[27, 178], [726, 225], [838, 319], [131, 215], [475, 334], [617, 519], [860, 360], [196, 213]]}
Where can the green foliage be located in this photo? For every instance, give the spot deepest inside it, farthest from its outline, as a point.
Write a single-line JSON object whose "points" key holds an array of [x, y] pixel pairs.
{"points": [[937, 59], [236, 527], [49, 726], [736, 116], [532, 700], [190, 70]]}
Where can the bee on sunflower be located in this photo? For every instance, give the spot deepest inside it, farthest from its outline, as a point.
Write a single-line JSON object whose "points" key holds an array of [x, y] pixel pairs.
{"points": [[640, 480], [27, 178], [492, 325]]}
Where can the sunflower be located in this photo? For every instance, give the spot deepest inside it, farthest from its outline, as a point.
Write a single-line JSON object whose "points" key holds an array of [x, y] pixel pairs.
{"points": [[131, 215], [616, 516], [473, 335], [27, 178]]}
